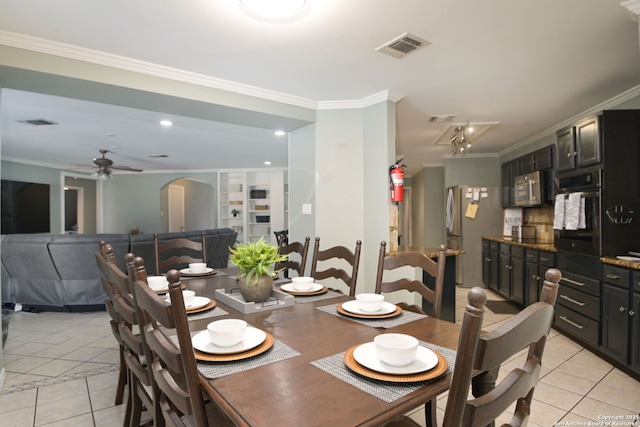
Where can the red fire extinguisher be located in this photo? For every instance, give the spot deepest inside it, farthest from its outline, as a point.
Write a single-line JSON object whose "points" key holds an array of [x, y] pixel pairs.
{"points": [[396, 177]]}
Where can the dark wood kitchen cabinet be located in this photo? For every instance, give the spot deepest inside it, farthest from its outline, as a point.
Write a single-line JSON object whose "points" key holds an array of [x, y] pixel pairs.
{"points": [[579, 146], [536, 265], [538, 160], [620, 305], [511, 273], [578, 306], [508, 173], [490, 260]]}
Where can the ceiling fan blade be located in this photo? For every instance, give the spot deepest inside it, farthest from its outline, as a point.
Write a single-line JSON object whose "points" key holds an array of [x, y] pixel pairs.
{"points": [[125, 168]]}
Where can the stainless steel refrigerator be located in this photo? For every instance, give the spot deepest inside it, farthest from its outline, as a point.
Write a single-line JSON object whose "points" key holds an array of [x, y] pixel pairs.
{"points": [[465, 226]]}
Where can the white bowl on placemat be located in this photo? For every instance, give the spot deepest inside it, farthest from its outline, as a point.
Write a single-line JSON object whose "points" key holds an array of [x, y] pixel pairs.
{"points": [[396, 349]]}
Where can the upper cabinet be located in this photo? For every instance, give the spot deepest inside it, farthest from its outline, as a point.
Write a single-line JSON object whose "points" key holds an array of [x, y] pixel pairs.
{"points": [[539, 160], [578, 146], [252, 203]]}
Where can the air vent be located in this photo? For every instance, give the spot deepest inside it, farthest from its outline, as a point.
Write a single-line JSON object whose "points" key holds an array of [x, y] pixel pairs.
{"points": [[38, 122], [442, 118], [403, 45], [157, 156]]}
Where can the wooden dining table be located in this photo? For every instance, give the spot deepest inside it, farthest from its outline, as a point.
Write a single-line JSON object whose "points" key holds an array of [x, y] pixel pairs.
{"points": [[293, 392]]}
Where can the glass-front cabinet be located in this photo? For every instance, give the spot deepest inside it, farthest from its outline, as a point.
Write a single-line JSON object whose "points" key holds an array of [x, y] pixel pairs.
{"points": [[252, 203]]}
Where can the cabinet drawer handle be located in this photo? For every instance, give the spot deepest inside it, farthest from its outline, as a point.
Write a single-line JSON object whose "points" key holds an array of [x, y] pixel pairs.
{"points": [[573, 282], [534, 277], [530, 256], [487, 259], [632, 313], [571, 323], [612, 276], [622, 309], [544, 259], [508, 267], [581, 304]]}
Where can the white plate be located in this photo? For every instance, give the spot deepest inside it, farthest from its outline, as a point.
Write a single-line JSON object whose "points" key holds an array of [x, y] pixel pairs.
{"points": [[253, 337], [352, 307], [628, 258], [198, 302], [288, 287], [367, 356], [188, 271]]}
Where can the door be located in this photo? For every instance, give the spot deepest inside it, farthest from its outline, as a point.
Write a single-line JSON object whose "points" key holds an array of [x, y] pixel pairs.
{"points": [[176, 208]]}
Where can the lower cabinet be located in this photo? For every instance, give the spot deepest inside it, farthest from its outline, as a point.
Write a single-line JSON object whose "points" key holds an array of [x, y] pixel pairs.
{"points": [[634, 313], [578, 304]]}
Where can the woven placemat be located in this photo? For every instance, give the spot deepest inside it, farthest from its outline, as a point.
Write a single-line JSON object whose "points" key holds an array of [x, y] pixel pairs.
{"points": [[215, 312], [385, 391], [404, 317], [278, 352], [312, 298]]}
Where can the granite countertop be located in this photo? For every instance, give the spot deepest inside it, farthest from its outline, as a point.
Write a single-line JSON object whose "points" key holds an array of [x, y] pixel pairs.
{"points": [[430, 252], [541, 246], [621, 262]]}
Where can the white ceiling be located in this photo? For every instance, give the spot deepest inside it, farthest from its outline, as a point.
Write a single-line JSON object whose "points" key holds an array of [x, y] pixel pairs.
{"points": [[527, 65]]}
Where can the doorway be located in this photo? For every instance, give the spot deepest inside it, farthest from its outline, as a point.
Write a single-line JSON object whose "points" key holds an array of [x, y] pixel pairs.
{"points": [[187, 204], [176, 208]]}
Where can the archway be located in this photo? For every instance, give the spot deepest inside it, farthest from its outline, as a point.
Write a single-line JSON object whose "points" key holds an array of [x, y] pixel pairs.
{"points": [[198, 207]]}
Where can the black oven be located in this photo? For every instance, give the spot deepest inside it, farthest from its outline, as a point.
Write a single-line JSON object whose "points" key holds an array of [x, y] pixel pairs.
{"points": [[587, 240]]}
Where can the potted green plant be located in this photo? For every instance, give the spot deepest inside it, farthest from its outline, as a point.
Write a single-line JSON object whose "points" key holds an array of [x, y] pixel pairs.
{"points": [[255, 261]]}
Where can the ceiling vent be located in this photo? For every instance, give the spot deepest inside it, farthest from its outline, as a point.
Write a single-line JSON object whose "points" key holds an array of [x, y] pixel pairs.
{"points": [[38, 122], [441, 118], [403, 45], [157, 156]]}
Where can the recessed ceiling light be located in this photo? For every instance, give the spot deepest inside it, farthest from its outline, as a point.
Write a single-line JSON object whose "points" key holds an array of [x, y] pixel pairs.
{"points": [[267, 163], [280, 133], [273, 9], [166, 123]]}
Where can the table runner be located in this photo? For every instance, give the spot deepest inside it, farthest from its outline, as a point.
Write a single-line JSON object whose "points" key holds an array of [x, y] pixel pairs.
{"points": [[279, 351], [405, 317], [383, 390]]}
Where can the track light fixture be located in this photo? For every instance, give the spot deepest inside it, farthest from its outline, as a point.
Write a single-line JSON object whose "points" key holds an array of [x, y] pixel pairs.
{"points": [[459, 140]]}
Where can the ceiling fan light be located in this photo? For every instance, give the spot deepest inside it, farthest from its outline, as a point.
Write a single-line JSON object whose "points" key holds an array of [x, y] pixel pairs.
{"points": [[273, 9]]}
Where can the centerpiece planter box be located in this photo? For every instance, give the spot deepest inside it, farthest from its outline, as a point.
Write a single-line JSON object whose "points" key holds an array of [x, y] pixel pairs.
{"points": [[233, 299]]}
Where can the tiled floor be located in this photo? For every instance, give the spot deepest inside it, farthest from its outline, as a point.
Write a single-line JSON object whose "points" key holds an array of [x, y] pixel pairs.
{"points": [[57, 378]]}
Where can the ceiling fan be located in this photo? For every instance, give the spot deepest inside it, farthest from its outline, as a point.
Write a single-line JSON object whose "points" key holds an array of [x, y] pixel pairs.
{"points": [[105, 166]]}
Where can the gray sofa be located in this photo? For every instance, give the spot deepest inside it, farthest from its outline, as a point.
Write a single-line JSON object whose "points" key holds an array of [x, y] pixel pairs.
{"points": [[59, 271]]}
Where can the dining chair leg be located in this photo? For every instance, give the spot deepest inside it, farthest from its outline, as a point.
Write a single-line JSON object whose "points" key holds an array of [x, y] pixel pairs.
{"points": [[122, 379], [130, 391], [430, 411], [136, 405]]}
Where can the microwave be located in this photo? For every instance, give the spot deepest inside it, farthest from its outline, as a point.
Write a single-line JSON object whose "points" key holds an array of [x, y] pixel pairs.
{"points": [[529, 189]]}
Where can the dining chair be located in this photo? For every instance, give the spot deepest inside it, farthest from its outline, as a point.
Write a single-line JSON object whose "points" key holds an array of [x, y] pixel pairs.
{"points": [[173, 366], [480, 356], [282, 237], [300, 251], [413, 259], [104, 256], [337, 253], [178, 253], [143, 391], [428, 266]]}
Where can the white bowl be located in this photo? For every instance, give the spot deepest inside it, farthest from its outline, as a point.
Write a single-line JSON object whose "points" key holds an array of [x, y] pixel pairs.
{"points": [[227, 332], [369, 303], [198, 267], [396, 349], [157, 283], [302, 283], [187, 295]]}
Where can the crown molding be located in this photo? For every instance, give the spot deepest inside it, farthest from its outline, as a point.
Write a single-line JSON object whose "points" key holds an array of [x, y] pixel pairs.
{"points": [[610, 103], [64, 50], [632, 6]]}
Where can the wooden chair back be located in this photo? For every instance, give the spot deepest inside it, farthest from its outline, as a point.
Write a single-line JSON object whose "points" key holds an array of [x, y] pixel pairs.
{"points": [[299, 250], [114, 318], [480, 356], [282, 237], [413, 259], [173, 366], [337, 253], [178, 253], [142, 388]]}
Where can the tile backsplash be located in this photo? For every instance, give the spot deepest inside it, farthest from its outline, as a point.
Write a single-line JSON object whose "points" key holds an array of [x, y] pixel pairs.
{"points": [[542, 219]]}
